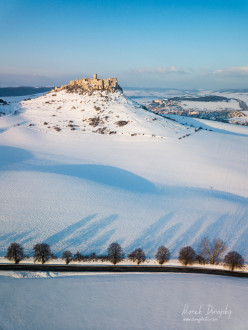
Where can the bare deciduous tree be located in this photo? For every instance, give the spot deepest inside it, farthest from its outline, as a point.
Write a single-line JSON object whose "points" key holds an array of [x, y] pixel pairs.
{"points": [[163, 255], [15, 252], [67, 256], [212, 251], [187, 255], [234, 260], [115, 253], [137, 255], [42, 252]]}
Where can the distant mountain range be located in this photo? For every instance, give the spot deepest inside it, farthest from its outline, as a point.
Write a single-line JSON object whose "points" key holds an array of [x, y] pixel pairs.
{"points": [[22, 90], [27, 90]]}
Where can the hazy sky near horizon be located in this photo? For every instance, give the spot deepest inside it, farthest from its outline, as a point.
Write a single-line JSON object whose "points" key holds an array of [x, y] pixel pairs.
{"points": [[158, 43]]}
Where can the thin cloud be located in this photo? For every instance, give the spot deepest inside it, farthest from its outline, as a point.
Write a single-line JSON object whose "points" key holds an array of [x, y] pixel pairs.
{"points": [[238, 71], [159, 70]]}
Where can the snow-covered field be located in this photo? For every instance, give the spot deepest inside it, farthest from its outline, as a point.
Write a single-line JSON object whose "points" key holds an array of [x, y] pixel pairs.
{"points": [[79, 190], [241, 95], [129, 301], [210, 106]]}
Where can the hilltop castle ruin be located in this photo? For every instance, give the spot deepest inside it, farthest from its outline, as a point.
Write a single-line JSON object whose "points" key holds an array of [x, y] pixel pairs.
{"points": [[91, 84]]}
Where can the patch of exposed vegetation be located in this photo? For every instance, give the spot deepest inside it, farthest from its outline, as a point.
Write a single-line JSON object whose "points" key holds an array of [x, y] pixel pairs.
{"points": [[102, 130], [121, 123], [95, 121]]}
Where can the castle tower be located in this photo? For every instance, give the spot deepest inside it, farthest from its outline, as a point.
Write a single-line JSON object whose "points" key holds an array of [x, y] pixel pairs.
{"points": [[95, 76]]}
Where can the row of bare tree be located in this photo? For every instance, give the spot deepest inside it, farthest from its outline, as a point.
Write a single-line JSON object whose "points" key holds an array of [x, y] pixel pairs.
{"points": [[208, 252], [211, 252]]}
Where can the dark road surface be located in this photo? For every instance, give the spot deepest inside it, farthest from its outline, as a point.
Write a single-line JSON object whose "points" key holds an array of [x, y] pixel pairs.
{"points": [[119, 269]]}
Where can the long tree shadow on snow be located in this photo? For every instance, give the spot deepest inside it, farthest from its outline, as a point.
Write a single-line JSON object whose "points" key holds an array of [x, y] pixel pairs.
{"points": [[241, 243], [14, 236], [224, 227], [63, 234], [88, 234], [152, 237], [188, 235], [8, 238]]}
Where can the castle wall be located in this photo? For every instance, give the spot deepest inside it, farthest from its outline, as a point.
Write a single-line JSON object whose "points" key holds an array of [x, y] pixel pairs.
{"points": [[88, 83]]}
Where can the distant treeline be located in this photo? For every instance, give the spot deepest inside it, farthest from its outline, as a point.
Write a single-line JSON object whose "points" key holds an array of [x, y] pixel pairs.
{"points": [[22, 91], [208, 98]]}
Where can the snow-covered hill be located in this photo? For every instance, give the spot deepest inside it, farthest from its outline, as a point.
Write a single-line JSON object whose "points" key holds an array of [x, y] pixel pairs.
{"points": [[78, 190], [101, 112]]}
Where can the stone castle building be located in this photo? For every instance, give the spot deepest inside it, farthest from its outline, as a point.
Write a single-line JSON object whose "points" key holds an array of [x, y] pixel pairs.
{"points": [[92, 84]]}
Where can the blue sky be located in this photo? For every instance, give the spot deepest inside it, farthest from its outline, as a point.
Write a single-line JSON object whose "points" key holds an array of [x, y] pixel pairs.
{"points": [[178, 44]]}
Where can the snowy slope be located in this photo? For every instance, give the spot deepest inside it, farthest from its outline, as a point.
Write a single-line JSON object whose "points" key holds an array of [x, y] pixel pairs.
{"points": [[13, 105], [80, 190], [102, 112]]}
